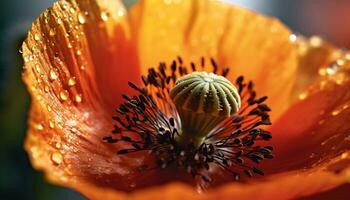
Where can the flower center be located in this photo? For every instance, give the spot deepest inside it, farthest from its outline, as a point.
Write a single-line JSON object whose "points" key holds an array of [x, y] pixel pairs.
{"points": [[203, 100], [194, 122]]}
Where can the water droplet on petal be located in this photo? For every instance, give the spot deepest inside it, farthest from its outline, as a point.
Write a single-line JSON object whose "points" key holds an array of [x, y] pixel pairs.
{"points": [[49, 109], [345, 155], [38, 97], [37, 68], [73, 130], [39, 127], [336, 112], [36, 37], [52, 32], [303, 95], [72, 10], [331, 69], [315, 41], [59, 125], [53, 75], [81, 18], [104, 16], [293, 38], [347, 56], [120, 13], [57, 158], [78, 98], [72, 81], [64, 95], [58, 145], [340, 62], [79, 52], [51, 124], [46, 89]]}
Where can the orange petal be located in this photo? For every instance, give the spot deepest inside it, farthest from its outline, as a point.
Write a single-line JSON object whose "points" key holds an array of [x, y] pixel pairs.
{"points": [[252, 45], [78, 59]]}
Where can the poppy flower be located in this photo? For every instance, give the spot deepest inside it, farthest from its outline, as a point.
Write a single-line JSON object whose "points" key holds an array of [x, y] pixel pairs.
{"points": [[96, 72]]}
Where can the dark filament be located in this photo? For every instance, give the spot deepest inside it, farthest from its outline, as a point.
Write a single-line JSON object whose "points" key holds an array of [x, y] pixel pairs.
{"points": [[149, 122]]}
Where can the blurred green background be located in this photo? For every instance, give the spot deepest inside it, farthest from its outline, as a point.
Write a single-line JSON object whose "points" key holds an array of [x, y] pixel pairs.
{"points": [[18, 180]]}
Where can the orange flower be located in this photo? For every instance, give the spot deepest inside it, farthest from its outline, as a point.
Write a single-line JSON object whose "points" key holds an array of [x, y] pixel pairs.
{"points": [[79, 56]]}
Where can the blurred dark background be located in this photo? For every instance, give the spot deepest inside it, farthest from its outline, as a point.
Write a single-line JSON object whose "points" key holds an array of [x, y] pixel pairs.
{"points": [[18, 180]]}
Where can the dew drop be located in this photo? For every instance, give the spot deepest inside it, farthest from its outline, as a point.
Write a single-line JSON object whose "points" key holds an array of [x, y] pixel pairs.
{"points": [[57, 158], [64, 95], [33, 88], [78, 98], [340, 62], [72, 10], [293, 38], [73, 130], [36, 37], [49, 109], [315, 41], [39, 127], [81, 18], [26, 59], [104, 16], [38, 97], [37, 68], [303, 95], [65, 6], [52, 32], [336, 112], [53, 75], [58, 145], [59, 125], [70, 45], [347, 56], [78, 52], [59, 21], [63, 179], [46, 88], [345, 155], [51, 124], [322, 71], [330, 70], [72, 81], [120, 13], [34, 151]]}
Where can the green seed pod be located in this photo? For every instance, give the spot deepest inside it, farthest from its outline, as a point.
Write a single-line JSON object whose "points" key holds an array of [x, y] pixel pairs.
{"points": [[203, 100]]}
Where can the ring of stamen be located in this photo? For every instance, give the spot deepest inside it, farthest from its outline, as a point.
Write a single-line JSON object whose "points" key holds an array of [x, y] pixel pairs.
{"points": [[150, 122]]}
